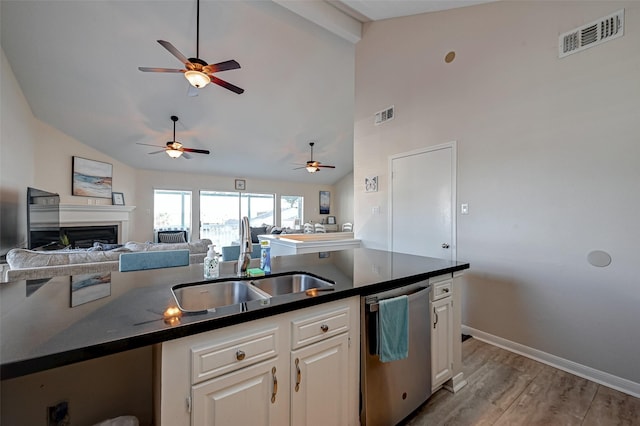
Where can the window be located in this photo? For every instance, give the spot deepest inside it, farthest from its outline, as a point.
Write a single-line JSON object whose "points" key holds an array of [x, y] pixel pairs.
{"points": [[258, 208], [171, 210], [291, 211], [221, 212]]}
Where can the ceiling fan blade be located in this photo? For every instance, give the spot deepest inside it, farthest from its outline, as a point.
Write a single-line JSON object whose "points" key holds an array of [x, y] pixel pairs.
{"points": [[197, 151], [226, 85], [298, 168], [149, 69], [175, 52], [185, 155], [326, 167], [157, 152], [221, 66], [146, 144]]}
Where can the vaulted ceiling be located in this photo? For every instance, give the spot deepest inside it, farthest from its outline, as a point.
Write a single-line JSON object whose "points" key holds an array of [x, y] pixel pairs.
{"points": [[77, 65]]}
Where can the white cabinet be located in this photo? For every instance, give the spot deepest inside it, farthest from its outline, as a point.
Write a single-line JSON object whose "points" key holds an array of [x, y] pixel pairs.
{"points": [[442, 332], [320, 383], [320, 367], [245, 397], [297, 368]]}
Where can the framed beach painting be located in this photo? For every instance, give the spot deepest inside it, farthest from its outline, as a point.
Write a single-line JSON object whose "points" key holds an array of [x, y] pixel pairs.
{"points": [[91, 178]]}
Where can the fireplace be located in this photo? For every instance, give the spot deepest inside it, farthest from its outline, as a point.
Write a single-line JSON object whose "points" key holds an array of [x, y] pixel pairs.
{"points": [[85, 236]]}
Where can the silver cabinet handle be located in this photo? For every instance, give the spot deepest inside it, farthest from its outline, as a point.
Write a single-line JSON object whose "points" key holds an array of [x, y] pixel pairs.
{"points": [[298, 375], [275, 385], [435, 313], [445, 245]]}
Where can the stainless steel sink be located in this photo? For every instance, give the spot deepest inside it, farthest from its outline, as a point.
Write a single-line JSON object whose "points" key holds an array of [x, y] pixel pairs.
{"points": [[292, 283], [209, 296]]}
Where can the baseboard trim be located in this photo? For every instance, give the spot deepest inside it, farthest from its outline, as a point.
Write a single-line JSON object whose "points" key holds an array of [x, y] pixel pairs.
{"points": [[606, 379]]}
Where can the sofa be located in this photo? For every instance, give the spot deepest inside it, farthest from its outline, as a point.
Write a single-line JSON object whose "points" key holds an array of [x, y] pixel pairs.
{"points": [[26, 264]]}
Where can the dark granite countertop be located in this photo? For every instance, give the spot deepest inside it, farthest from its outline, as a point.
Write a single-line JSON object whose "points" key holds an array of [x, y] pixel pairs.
{"points": [[40, 329]]}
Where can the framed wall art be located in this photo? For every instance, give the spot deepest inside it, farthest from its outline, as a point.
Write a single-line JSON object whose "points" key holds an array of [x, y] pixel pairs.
{"points": [[371, 183], [91, 178], [241, 184], [117, 198], [325, 202]]}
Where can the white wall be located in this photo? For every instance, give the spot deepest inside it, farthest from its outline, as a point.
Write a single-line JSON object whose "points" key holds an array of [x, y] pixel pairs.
{"points": [[17, 142], [547, 160], [344, 200]]}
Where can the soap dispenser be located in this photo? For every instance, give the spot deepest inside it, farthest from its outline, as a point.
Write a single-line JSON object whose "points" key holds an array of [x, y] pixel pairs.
{"points": [[211, 267]]}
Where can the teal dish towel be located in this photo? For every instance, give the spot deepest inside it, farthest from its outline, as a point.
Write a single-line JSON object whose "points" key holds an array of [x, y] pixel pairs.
{"points": [[393, 329]]}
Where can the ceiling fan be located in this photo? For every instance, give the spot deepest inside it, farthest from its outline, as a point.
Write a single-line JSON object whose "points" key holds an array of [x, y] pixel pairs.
{"points": [[314, 166], [174, 149], [197, 71]]}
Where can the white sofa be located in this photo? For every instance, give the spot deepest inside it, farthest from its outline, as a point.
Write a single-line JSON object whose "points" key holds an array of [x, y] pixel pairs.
{"points": [[26, 264]]}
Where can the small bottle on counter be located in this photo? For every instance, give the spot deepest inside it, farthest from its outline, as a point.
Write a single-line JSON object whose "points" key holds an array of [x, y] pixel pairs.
{"points": [[265, 256], [211, 266]]}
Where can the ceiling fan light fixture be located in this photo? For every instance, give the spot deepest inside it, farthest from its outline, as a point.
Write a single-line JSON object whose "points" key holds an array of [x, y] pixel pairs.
{"points": [[174, 153], [312, 169], [197, 79]]}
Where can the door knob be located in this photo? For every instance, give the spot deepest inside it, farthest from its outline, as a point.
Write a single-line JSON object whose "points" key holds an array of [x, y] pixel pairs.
{"points": [[445, 245]]}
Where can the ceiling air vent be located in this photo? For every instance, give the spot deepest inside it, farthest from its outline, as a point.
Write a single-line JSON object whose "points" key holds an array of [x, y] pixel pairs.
{"points": [[592, 34]]}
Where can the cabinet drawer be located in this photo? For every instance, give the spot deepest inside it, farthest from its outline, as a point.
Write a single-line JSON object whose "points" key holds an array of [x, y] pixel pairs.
{"points": [[212, 360], [441, 289], [318, 327]]}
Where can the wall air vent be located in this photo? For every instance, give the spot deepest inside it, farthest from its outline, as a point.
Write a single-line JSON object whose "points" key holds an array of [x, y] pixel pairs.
{"points": [[592, 34], [384, 115]]}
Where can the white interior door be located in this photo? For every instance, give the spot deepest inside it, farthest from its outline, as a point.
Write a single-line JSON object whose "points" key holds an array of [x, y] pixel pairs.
{"points": [[423, 202]]}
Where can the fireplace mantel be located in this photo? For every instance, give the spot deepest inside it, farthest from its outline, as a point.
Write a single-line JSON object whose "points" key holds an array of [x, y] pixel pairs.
{"points": [[85, 215]]}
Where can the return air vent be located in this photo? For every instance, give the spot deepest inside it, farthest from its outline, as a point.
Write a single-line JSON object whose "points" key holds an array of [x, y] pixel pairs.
{"points": [[592, 34], [384, 115]]}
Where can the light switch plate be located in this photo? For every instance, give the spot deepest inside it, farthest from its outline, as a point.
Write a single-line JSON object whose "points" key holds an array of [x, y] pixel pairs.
{"points": [[464, 208]]}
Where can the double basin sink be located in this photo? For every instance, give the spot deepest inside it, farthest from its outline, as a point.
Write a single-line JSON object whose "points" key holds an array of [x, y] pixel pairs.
{"points": [[201, 297]]}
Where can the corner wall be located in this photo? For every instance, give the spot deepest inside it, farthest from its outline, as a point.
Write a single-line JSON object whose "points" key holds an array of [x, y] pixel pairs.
{"points": [[547, 161], [17, 143]]}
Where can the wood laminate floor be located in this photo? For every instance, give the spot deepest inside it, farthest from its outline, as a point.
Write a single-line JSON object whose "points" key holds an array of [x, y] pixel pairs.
{"points": [[504, 388]]}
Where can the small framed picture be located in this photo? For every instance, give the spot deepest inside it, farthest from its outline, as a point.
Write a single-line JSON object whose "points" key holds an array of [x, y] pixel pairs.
{"points": [[117, 198], [371, 184], [240, 184], [331, 220]]}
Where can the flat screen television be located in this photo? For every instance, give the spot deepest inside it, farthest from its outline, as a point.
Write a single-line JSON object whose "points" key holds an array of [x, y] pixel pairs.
{"points": [[43, 220]]}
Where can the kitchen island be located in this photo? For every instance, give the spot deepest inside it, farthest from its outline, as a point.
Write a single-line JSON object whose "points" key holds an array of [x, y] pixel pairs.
{"points": [[309, 243], [40, 330]]}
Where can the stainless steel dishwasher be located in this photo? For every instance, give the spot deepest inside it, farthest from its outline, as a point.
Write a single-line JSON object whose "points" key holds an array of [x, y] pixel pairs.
{"points": [[392, 390]]}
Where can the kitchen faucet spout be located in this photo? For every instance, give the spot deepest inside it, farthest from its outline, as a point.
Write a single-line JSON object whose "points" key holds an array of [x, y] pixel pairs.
{"points": [[246, 247]]}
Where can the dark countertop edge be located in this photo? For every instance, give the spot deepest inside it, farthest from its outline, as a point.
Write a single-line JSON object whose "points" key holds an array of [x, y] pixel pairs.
{"points": [[21, 368]]}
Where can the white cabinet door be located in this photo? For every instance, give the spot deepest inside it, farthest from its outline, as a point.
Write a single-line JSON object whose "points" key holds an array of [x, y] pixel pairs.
{"points": [[441, 341], [320, 383], [245, 397]]}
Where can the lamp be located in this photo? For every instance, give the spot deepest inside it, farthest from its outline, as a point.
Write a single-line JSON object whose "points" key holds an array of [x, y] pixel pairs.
{"points": [[174, 153], [312, 169], [197, 79]]}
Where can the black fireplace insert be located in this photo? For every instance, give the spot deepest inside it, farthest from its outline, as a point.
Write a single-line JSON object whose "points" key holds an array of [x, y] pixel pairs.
{"points": [[85, 236]]}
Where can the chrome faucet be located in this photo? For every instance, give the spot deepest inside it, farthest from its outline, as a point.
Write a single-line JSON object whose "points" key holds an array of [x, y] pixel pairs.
{"points": [[246, 247]]}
